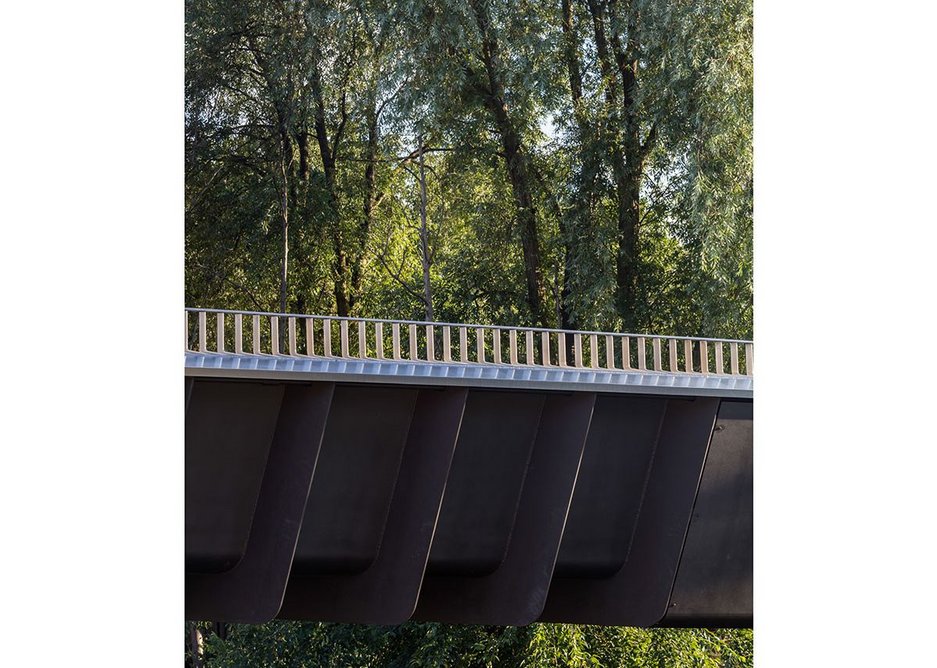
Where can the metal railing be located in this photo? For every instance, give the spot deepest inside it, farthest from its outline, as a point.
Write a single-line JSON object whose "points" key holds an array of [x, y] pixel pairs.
{"points": [[293, 335]]}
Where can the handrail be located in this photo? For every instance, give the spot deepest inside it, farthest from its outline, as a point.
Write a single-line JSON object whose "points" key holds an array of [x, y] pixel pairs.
{"points": [[368, 338]]}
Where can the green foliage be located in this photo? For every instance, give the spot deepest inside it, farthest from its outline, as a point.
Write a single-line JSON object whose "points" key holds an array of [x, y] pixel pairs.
{"points": [[424, 645], [303, 117]]}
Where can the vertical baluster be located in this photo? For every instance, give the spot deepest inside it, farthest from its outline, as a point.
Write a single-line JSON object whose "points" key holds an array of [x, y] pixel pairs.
{"points": [[343, 337], [512, 345], [463, 345], [480, 344], [496, 345], [672, 350], [430, 344], [688, 355], [238, 333], [749, 358], [326, 337], [561, 348], [446, 343], [704, 357], [545, 348], [202, 332], [625, 352], [642, 354], [529, 340], [655, 345], [310, 337], [274, 335], [609, 352], [577, 350], [362, 340], [720, 366], [395, 339], [734, 358], [379, 340], [255, 333], [593, 351], [219, 332], [411, 333], [291, 329]]}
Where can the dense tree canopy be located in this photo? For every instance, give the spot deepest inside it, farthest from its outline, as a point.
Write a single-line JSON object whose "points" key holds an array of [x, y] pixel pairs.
{"points": [[577, 163], [574, 163]]}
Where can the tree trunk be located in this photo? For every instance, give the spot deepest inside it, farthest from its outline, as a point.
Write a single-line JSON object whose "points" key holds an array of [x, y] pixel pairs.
{"points": [[370, 197], [627, 153], [285, 228], [424, 239], [327, 153], [492, 91], [580, 211]]}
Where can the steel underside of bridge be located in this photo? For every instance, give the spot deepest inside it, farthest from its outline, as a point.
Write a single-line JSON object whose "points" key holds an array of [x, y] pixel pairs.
{"points": [[377, 491]]}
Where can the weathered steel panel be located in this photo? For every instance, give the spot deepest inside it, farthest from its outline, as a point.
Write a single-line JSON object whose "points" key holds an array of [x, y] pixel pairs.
{"points": [[386, 592], [252, 591], [229, 427], [638, 593], [355, 478], [515, 591], [610, 487], [714, 581], [485, 482]]}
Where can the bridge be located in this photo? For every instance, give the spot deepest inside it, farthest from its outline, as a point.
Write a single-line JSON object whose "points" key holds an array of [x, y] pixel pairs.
{"points": [[375, 471]]}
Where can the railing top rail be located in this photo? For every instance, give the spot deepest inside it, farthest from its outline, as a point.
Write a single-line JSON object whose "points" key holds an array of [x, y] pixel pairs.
{"points": [[462, 324]]}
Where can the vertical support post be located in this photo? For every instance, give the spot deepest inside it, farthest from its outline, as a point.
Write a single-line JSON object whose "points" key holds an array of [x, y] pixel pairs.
{"points": [[496, 345], [720, 365], [327, 337], [561, 348], [625, 352], [343, 337], [430, 344], [274, 335], [291, 327], [529, 340], [609, 352], [395, 340], [255, 334], [362, 339], [655, 345], [310, 337], [446, 344], [463, 345], [512, 344], [672, 350], [238, 333], [593, 351], [202, 332], [749, 358], [642, 354], [379, 340], [704, 356], [734, 358], [688, 355], [480, 344], [545, 348], [219, 332], [411, 335]]}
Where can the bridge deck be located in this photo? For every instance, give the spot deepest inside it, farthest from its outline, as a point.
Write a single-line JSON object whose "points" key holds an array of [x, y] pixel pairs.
{"points": [[268, 367]]}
